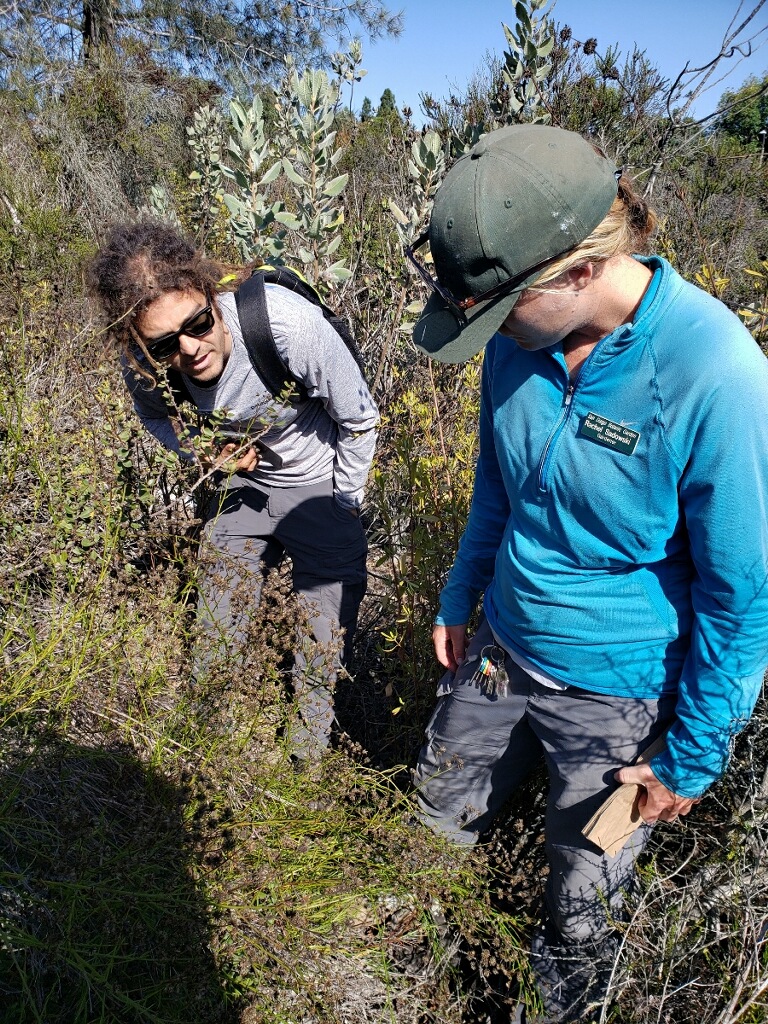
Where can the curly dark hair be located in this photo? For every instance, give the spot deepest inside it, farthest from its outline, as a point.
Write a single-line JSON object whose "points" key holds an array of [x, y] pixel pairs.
{"points": [[137, 263]]}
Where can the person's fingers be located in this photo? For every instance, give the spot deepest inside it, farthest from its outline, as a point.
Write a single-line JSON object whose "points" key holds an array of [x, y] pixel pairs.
{"points": [[443, 648], [458, 639], [249, 461]]}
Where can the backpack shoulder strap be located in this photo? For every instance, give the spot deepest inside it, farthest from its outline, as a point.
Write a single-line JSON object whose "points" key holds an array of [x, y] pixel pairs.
{"points": [[293, 279], [252, 312]]}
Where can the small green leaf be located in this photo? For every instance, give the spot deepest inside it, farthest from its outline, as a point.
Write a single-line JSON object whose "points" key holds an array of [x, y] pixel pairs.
{"points": [[336, 186], [339, 272], [235, 206], [397, 213], [293, 175], [522, 16], [545, 48], [272, 173], [242, 180], [289, 219]]}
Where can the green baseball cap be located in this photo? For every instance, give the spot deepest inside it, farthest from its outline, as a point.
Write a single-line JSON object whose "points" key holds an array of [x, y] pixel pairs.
{"points": [[521, 197]]}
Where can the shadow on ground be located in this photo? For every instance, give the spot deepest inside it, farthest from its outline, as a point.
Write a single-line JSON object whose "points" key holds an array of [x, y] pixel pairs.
{"points": [[100, 918]]}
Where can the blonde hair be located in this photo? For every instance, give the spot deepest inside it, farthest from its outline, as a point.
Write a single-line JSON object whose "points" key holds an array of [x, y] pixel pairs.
{"points": [[626, 229]]}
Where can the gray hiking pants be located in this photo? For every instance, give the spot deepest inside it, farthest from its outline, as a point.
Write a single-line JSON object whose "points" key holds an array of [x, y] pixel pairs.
{"points": [[250, 530], [479, 747]]}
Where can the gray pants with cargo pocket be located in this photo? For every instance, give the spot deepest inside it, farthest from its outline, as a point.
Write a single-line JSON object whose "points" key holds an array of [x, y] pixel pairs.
{"points": [[481, 745], [250, 530]]}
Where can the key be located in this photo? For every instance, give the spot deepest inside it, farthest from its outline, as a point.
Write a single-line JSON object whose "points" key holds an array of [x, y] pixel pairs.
{"points": [[484, 676], [501, 678], [502, 681]]}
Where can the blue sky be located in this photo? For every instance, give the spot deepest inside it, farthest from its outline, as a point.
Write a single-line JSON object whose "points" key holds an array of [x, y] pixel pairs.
{"points": [[444, 41]]}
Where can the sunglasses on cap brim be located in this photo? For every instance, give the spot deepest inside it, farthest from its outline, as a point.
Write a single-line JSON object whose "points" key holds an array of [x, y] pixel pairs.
{"points": [[459, 306]]}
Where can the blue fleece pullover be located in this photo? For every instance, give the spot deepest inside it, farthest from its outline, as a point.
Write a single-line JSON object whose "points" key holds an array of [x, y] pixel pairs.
{"points": [[619, 522]]}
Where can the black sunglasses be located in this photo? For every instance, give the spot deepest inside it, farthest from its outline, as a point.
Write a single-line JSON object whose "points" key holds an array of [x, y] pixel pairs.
{"points": [[458, 306], [196, 326]]}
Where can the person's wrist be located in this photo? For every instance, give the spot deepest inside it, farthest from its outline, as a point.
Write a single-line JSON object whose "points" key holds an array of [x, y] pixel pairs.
{"points": [[347, 506]]}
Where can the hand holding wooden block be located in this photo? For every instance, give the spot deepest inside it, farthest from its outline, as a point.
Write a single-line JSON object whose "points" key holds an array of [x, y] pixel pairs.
{"points": [[617, 818]]}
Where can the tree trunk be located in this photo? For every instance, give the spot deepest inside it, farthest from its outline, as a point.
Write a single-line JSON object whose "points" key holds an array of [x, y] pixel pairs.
{"points": [[97, 26]]}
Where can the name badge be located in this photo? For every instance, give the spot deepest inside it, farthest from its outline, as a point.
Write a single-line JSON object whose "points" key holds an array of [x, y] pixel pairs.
{"points": [[610, 434]]}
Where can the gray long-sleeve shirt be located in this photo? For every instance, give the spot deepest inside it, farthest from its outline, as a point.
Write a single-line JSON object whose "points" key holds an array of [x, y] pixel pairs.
{"points": [[330, 435]]}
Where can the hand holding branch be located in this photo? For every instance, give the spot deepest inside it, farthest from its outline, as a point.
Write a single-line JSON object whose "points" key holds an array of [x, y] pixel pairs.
{"points": [[233, 459]]}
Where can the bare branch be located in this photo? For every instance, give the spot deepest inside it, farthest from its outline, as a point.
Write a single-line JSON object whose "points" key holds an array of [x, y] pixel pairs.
{"points": [[12, 211], [729, 48]]}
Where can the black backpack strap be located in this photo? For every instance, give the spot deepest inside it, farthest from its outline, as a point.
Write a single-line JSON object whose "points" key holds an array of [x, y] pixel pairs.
{"points": [[252, 312], [289, 278]]}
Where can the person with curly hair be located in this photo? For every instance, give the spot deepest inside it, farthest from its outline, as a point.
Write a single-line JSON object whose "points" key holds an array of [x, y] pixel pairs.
{"points": [[295, 470], [618, 531]]}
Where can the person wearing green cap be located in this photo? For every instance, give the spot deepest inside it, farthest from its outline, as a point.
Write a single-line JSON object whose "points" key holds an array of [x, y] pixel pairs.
{"points": [[618, 532]]}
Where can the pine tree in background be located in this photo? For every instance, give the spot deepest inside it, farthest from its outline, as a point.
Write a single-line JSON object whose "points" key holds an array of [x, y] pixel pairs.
{"points": [[232, 44], [747, 113], [387, 104]]}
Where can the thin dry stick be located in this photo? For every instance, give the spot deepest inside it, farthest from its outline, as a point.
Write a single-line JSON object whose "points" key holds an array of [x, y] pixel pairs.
{"points": [[386, 348], [727, 1016], [448, 478]]}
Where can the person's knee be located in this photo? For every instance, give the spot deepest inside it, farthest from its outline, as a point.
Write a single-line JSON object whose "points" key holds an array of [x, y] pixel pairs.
{"points": [[450, 794], [442, 805]]}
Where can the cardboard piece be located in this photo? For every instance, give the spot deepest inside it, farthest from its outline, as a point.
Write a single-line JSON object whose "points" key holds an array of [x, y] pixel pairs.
{"points": [[617, 817]]}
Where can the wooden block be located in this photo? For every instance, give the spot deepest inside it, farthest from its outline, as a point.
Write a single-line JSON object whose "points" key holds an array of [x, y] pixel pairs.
{"points": [[617, 818]]}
